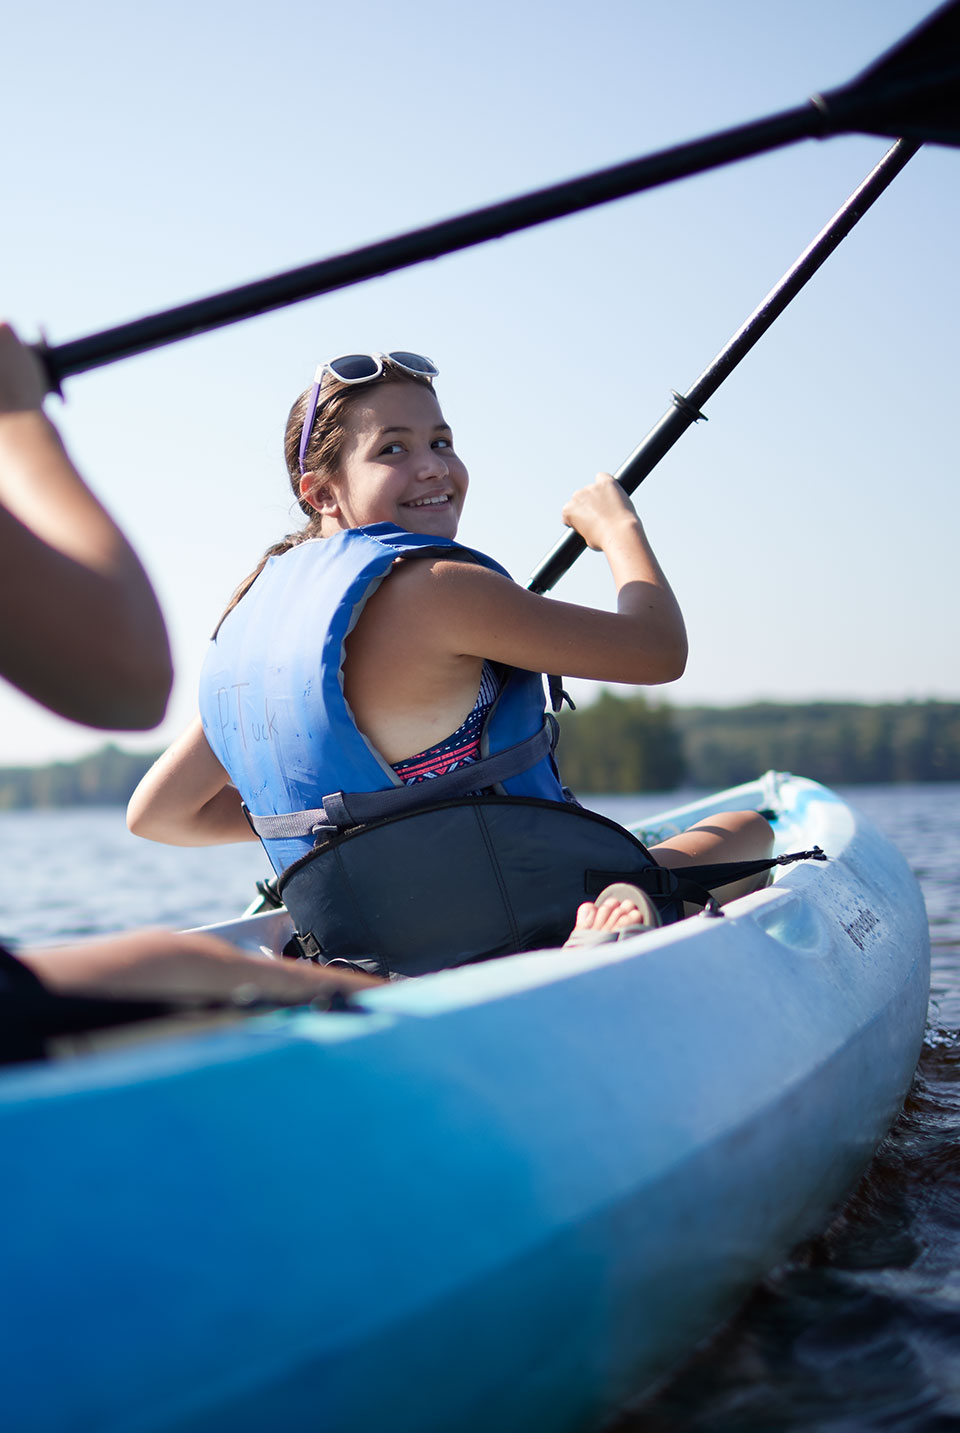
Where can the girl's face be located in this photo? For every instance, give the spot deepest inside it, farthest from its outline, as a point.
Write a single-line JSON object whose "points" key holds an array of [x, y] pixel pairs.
{"points": [[397, 466]]}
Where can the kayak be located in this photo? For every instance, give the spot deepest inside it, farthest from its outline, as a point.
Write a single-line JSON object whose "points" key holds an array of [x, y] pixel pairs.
{"points": [[509, 1196]]}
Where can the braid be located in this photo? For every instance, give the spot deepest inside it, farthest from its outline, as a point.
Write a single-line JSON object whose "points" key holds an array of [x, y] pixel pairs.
{"points": [[293, 539]]}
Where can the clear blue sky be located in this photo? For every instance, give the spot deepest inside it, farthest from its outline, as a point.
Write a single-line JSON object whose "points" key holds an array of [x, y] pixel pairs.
{"points": [[156, 152]]}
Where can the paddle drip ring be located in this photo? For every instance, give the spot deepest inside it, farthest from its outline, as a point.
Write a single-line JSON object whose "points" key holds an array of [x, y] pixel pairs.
{"points": [[685, 406]]}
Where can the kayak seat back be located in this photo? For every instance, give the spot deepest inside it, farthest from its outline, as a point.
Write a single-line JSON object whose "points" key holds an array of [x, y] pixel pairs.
{"points": [[458, 882]]}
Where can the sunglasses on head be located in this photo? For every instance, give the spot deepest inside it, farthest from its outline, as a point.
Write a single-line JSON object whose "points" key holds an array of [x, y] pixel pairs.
{"points": [[358, 368]]}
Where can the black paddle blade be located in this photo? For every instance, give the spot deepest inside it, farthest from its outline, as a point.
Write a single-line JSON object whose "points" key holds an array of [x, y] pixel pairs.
{"points": [[913, 90]]}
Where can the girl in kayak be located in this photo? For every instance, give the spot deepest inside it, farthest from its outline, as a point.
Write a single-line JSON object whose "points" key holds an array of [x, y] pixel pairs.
{"points": [[370, 655]]}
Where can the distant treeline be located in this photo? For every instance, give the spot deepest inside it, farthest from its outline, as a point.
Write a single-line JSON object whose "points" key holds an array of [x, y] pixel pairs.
{"points": [[106, 778], [630, 744]]}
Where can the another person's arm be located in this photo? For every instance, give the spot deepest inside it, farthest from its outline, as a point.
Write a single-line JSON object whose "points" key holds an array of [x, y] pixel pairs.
{"points": [[181, 967], [80, 628]]}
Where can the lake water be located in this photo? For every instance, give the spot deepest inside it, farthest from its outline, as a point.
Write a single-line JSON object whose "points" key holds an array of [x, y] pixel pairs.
{"points": [[861, 1330]]}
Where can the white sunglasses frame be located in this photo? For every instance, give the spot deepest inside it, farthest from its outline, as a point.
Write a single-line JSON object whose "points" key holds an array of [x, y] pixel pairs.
{"points": [[313, 404]]}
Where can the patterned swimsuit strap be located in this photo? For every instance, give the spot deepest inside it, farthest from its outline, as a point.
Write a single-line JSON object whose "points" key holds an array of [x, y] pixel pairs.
{"points": [[462, 747]]}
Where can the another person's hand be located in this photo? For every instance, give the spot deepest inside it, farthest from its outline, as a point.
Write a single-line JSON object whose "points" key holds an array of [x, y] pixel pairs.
{"points": [[22, 380]]}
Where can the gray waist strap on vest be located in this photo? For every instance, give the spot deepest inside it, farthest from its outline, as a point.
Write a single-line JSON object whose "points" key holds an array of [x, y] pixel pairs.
{"points": [[342, 809]]}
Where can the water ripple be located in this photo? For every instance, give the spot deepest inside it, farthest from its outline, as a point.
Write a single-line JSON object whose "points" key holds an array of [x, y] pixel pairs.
{"points": [[860, 1330]]}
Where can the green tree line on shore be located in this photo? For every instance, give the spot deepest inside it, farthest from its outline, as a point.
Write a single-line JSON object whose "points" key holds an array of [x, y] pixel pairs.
{"points": [[105, 778], [625, 744]]}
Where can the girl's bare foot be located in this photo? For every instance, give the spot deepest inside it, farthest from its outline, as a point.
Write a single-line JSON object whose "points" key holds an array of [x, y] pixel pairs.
{"points": [[620, 910]]}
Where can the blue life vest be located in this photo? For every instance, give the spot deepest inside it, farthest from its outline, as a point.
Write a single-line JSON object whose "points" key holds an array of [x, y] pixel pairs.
{"points": [[271, 690]]}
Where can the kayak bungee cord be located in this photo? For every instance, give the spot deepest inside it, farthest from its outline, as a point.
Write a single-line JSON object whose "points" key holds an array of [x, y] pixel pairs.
{"points": [[685, 409], [913, 90]]}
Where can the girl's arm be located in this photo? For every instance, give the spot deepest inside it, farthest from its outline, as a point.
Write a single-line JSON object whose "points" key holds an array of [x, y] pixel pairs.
{"points": [[186, 798], [81, 630], [461, 609]]}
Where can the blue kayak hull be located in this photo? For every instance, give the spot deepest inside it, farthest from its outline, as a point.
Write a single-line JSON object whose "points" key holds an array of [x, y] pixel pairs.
{"points": [[506, 1197]]}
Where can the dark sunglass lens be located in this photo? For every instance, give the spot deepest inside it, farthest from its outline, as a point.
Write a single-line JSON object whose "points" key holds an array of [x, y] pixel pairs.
{"points": [[351, 366], [417, 363]]}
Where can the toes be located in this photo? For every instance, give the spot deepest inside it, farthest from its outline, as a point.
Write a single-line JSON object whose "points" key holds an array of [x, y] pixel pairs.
{"points": [[609, 915], [612, 913], [625, 915], [586, 916]]}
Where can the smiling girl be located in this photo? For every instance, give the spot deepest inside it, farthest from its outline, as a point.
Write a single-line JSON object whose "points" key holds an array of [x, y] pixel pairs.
{"points": [[372, 709]]}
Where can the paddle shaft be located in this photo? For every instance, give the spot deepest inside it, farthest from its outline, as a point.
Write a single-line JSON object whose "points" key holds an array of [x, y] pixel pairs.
{"points": [[685, 409], [911, 90], [415, 247]]}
